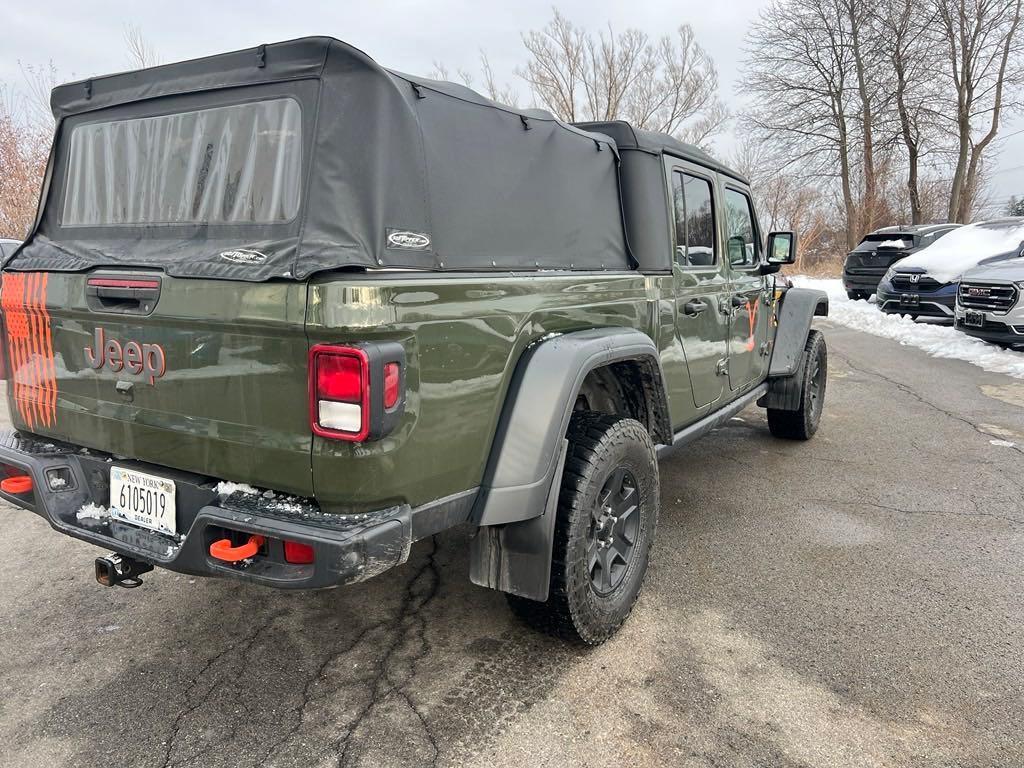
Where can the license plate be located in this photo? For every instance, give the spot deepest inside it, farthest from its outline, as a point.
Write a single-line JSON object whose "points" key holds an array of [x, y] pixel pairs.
{"points": [[974, 319], [143, 500], [910, 300]]}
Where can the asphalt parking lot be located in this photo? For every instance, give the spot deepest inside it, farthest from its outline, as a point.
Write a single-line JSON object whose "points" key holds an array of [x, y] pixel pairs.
{"points": [[854, 601]]}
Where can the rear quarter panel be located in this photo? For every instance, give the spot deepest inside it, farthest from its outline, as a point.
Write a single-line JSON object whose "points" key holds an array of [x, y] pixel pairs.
{"points": [[462, 337]]}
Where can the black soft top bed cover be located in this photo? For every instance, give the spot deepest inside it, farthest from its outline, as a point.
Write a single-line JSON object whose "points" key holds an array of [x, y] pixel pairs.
{"points": [[394, 171]]}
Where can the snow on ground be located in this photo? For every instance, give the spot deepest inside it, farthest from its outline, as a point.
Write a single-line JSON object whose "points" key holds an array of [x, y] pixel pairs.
{"points": [[936, 340]]}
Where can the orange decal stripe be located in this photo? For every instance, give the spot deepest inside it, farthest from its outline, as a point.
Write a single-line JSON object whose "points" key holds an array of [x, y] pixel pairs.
{"points": [[29, 334], [33, 347], [752, 319], [19, 343], [6, 305], [51, 370], [20, 332]]}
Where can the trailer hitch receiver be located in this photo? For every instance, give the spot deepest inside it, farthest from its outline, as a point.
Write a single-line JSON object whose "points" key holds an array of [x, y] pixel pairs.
{"points": [[116, 570]]}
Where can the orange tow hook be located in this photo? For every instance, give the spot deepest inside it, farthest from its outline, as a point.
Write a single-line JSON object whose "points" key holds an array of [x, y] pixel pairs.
{"points": [[16, 485], [222, 549]]}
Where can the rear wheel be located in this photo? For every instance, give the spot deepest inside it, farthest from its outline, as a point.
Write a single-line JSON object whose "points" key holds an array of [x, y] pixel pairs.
{"points": [[854, 295], [802, 423], [607, 515]]}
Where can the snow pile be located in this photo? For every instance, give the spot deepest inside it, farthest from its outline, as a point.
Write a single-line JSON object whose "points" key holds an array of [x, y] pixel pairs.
{"points": [[964, 248], [937, 340], [93, 512], [892, 244], [226, 489]]}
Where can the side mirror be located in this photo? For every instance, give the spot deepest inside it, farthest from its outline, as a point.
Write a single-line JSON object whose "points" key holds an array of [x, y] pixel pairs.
{"points": [[782, 248]]}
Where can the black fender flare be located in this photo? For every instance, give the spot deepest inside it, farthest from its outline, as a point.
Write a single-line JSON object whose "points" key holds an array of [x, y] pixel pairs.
{"points": [[799, 307], [519, 493]]}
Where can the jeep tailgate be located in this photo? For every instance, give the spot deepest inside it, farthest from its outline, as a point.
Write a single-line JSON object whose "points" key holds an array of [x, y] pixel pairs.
{"points": [[207, 376]]}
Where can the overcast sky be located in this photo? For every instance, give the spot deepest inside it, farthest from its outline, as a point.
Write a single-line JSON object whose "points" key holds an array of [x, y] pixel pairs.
{"points": [[83, 39]]}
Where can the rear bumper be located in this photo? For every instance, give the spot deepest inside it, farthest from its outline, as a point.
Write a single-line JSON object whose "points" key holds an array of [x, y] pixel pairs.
{"points": [[862, 281], [347, 548]]}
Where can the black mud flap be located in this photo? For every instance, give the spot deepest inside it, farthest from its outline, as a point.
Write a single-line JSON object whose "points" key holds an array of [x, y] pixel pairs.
{"points": [[798, 309], [516, 557]]}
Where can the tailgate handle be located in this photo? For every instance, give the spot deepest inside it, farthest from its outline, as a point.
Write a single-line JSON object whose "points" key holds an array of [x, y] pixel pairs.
{"points": [[128, 295]]}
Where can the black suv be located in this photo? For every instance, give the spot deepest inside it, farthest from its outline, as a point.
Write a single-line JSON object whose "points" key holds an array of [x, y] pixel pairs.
{"points": [[867, 263]]}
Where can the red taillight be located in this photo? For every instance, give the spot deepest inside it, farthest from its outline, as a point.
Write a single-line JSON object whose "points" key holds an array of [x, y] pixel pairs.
{"points": [[357, 392], [339, 377], [340, 392], [392, 379], [298, 553]]}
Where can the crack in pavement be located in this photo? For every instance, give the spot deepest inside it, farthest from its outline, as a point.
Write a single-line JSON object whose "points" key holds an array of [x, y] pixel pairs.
{"points": [[382, 685], [191, 707], [307, 690], [900, 510], [420, 634], [906, 389], [408, 627]]}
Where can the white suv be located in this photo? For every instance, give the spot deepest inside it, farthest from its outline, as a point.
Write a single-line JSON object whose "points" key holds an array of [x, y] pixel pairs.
{"points": [[990, 303]]}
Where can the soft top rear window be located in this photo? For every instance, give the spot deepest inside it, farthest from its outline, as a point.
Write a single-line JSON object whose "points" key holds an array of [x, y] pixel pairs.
{"points": [[237, 164]]}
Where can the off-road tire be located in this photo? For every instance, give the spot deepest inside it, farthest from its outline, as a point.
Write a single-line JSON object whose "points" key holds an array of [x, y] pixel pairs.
{"points": [[802, 423], [854, 295], [599, 445]]}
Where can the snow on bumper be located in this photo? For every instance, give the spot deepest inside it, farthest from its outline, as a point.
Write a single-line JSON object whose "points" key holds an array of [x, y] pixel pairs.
{"points": [[347, 548]]}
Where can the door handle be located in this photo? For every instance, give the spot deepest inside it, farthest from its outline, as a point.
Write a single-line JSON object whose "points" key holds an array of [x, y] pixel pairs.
{"points": [[695, 307]]}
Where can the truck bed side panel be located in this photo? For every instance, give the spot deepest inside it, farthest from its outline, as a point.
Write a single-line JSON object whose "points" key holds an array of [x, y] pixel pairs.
{"points": [[462, 337]]}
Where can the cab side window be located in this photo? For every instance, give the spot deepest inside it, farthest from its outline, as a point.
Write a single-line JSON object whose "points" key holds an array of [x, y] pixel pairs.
{"points": [[695, 220], [742, 242]]}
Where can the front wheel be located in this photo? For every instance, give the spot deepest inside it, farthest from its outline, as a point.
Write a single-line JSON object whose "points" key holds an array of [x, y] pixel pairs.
{"points": [[607, 514], [802, 423]]}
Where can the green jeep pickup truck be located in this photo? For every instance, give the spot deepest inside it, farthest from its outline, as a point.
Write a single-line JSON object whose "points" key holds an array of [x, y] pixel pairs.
{"points": [[285, 312]]}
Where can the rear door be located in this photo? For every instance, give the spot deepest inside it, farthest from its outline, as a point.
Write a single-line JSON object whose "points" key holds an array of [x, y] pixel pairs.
{"points": [[208, 376], [748, 299], [700, 283]]}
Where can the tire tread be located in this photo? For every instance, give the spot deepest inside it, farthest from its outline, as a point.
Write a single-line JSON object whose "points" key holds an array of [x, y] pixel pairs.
{"points": [[558, 616]]}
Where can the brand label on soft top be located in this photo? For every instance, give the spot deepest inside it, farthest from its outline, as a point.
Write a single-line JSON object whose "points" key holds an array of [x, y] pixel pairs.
{"points": [[406, 240], [243, 256]]}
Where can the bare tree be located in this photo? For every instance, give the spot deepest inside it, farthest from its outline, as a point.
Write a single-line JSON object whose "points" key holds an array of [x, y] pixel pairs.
{"points": [[801, 74], [784, 199], [905, 31], [873, 97], [141, 52], [24, 148], [982, 53], [503, 94], [668, 85]]}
